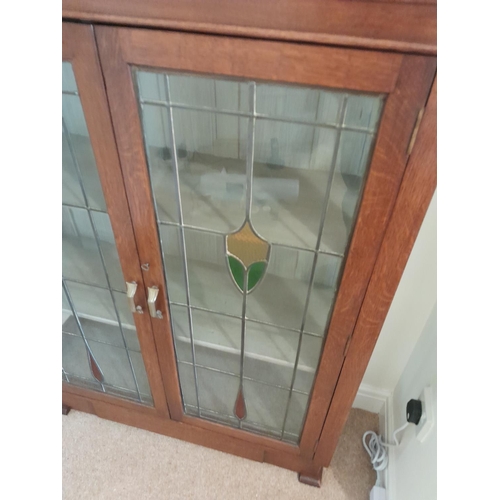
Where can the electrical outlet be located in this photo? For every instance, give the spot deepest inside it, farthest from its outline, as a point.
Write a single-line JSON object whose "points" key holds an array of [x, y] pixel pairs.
{"points": [[426, 422]]}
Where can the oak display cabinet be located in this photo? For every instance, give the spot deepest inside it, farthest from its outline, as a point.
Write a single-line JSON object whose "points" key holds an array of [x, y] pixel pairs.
{"points": [[240, 195]]}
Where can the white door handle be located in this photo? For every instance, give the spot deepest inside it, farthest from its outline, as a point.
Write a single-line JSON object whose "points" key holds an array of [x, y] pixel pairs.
{"points": [[131, 289], [152, 296]]}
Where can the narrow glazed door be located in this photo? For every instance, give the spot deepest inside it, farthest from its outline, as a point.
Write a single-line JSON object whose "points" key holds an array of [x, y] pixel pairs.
{"points": [[245, 164], [102, 289]]}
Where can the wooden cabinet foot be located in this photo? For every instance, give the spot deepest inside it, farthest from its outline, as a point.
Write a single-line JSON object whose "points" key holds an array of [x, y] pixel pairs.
{"points": [[65, 409], [312, 477]]}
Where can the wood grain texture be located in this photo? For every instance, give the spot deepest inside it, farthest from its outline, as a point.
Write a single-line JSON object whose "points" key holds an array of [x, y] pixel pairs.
{"points": [[128, 132], [79, 48], [380, 192], [416, 192], [197, 435], [260, 59], [270, 443], [430, 2], [398, 26]]}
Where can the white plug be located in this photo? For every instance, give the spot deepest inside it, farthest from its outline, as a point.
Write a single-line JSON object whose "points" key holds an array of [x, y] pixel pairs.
{"points": [[426, 423], [377, 493]]}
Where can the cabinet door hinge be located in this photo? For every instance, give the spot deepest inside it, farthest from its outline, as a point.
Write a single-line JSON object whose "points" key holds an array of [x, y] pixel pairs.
{"points": [[414, 134], [347, 345]]}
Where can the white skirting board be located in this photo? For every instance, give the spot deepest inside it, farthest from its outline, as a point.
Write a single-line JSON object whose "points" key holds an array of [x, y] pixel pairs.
{"points": [[379, 401]]}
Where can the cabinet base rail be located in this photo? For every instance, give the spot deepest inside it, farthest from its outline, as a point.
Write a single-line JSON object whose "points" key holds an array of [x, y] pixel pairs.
{"points": [[308, 472]]}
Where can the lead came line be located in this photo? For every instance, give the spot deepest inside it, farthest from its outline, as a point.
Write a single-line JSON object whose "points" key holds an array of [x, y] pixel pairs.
{"points": [[242, 114], [180, 227], [248, 210], [241, 395], [220, 233], [115, 307], [183, 237], [231, 374], [69, 205], [75, 161], [77, 319], [80, 282], [124, 392], [248, 424], [101, 342], [251, 320], [250, 150], [342, 112]]}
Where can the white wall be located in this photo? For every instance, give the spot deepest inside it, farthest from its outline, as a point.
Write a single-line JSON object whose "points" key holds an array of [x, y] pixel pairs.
{"points": [[403, 363], [414, 300], [413, 465]]}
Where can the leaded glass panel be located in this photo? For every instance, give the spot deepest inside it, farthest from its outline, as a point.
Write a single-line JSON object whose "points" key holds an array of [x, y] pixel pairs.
{"points": [[256, 188]]}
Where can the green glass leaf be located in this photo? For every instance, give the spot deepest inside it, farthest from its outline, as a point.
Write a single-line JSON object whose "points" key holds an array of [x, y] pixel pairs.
{"points": [[255, 273], [237, 270]]}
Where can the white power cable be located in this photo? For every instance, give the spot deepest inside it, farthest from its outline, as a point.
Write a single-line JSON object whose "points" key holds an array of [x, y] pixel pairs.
{"points": [[376, 449]]}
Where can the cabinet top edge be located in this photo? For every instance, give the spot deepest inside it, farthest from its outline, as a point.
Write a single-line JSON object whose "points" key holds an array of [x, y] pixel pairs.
{"points": [[394, 26]]}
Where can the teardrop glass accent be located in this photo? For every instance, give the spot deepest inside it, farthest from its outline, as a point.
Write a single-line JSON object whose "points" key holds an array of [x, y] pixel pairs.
{"points": [[96, 372], [240, 408]]}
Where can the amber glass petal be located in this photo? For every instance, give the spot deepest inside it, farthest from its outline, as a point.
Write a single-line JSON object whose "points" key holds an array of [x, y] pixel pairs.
{"points": [[247, 246], [237, 270], [255, 273]]}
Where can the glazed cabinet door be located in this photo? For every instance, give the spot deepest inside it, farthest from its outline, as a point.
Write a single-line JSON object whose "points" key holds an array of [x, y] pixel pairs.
{"points": [[260, 177], [107, 344]]}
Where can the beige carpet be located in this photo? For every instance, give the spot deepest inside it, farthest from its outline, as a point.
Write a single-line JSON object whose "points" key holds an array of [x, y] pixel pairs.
{"points": [[105, 460]]}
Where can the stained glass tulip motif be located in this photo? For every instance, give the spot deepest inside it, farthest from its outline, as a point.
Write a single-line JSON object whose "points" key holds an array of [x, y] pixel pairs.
{"points": [[247, 255]]}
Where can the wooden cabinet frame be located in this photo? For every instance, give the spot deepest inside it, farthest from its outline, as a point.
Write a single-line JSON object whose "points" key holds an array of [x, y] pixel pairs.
{"points": [[400, 25], [396, 195]]}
